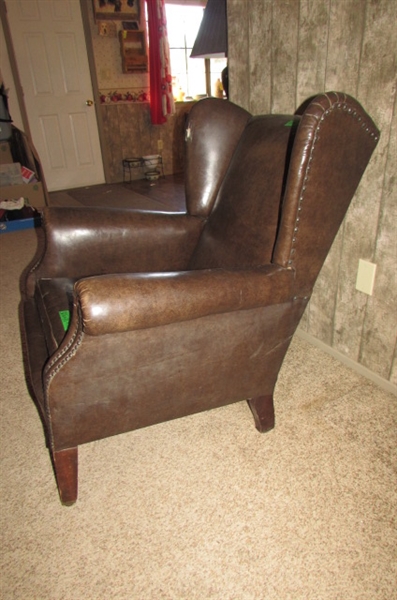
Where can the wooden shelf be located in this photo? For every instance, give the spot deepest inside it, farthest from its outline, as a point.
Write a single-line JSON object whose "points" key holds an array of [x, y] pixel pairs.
{"points": [[133, 51]]}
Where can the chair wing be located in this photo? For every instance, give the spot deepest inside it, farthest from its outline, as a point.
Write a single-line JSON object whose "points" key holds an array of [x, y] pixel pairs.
{"points": [[212, 133], [333, 144]]}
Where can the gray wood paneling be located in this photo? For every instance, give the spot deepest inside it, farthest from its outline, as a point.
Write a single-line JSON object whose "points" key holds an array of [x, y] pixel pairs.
{"points": [[284, 57], [346, 28], [312, 50], [260, 56], [376, 83], [379, 330], [295, 49], [238, 52]]}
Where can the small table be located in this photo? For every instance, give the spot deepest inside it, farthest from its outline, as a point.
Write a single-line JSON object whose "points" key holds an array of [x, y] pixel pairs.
{"points": [[138, 162], [129, 164]]}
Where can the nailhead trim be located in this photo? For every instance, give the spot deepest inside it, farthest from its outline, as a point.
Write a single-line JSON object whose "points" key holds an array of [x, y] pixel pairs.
{"points": [[337, 105], [74, 340], [64, 350]]}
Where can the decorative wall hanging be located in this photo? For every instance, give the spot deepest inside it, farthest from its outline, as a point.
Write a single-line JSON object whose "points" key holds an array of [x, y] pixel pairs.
{"points": [[118, 10], [107, 29], [125, 96], [133, 51]]}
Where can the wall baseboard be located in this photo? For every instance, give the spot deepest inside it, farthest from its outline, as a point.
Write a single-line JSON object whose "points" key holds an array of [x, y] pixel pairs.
{"points": [[387, 386]]}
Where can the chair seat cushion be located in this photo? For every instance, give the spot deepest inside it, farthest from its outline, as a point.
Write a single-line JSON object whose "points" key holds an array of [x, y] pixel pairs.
{"points": [[54, 301]]}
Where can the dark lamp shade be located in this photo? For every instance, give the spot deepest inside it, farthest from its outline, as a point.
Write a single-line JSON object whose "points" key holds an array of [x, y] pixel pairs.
{"points": [[211, 40]]}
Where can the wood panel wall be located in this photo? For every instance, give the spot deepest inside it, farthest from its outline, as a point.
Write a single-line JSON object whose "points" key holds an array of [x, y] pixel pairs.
{"points": [[280, 53]]}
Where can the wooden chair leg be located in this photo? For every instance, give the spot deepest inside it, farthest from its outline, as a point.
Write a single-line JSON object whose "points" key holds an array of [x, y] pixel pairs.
{"points": [[262, 409], [66, 472]]}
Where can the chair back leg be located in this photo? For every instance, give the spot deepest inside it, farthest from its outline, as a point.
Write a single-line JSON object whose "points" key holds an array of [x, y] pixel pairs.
{"points": [[262, 408]]}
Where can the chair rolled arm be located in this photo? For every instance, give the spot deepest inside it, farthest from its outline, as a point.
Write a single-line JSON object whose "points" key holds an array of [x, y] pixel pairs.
{"points": [[117, 303]]}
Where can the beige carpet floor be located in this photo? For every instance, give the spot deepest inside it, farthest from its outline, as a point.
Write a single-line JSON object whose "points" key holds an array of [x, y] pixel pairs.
{"points": [[204, 507]]}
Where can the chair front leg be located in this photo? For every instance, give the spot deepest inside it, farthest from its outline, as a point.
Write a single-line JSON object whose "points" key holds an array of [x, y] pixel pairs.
{"points": [[66, 472], [262, 408]]}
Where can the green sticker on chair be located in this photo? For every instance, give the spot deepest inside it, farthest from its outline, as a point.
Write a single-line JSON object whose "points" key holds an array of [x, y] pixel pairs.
{"points": [[289, 123], [65, 318]]}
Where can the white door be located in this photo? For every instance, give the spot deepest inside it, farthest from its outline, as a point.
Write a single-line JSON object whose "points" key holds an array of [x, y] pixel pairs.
{"points": [[49, 45]]}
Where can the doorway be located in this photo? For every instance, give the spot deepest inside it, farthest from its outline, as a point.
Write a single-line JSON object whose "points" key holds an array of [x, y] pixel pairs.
{"points": [[51, 55]]}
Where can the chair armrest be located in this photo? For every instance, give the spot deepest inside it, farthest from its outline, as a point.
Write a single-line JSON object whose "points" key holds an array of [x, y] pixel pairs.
{"points": [[117, 303], [81, 242]]}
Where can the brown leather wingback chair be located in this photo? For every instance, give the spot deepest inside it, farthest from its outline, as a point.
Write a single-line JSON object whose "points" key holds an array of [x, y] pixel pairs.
{"points": [[171, 314]]}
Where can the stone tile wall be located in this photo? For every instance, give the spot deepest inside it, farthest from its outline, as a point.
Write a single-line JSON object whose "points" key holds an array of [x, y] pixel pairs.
{"points": [[128, 132]]}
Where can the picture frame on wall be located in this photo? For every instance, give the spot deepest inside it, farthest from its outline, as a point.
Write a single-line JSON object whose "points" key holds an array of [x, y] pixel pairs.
{"points": [[116, 10]]}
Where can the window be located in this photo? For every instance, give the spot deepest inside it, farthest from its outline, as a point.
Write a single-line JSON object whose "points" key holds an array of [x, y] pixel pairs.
{"points": [[189, 75]]}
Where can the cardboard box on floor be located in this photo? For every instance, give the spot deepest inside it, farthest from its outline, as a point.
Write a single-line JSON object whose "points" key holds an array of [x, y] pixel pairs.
{"points": [[23, 151], [5, 153], [33, 192]]}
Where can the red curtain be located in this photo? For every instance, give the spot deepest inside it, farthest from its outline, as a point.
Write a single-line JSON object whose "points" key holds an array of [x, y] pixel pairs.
{"points": [[161, 97]]}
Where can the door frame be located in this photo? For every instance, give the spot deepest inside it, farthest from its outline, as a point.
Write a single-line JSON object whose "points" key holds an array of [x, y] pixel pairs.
{"points": [[84, 8], [95, 88], [14, 69]]}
